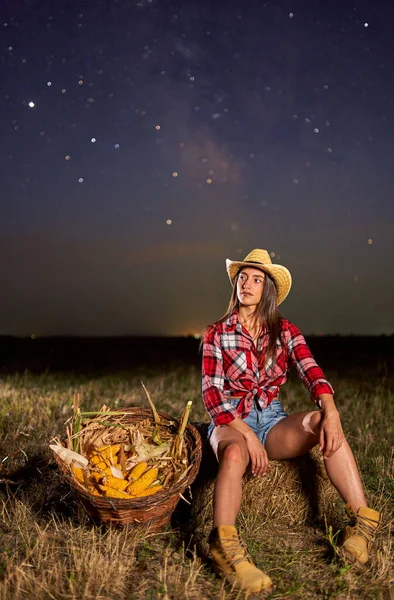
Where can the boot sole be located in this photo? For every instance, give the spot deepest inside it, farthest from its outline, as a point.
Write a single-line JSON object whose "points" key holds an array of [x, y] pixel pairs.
{"points": [[350, 558], [248, 590]]}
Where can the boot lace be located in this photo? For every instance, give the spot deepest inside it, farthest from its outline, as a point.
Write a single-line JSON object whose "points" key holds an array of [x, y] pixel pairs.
{"points": [[236, 550], [363, 526]]}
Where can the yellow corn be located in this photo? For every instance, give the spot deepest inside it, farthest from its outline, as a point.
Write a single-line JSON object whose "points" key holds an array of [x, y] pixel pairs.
{"points": [[96, 476], [143, 482], [112, 452], [99, 461], [102, 465], [111, 493], [109, 452], [104, 453], [93, 491], [95, 458], [116, 483], [149, 491], [78, 474], [107, 471], [137, 471]]}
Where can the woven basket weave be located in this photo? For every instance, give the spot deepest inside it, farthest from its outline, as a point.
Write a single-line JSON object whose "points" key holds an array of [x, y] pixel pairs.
{"points": [[153, 512]]}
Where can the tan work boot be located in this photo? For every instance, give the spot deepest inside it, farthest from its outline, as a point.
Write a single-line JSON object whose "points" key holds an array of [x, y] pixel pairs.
{"points": [[231, 560], [358, 537]]}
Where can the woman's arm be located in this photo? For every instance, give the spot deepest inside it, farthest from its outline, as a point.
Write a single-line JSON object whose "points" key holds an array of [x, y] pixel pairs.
{"points": [[307, 368], [331, 432]]}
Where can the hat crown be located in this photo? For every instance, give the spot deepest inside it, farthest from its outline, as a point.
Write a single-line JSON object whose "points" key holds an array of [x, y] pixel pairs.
{"points": [[258, 256]]}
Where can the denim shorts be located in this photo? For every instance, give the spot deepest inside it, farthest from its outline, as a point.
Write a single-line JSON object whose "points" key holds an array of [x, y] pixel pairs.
{"points": [[261, 421]]}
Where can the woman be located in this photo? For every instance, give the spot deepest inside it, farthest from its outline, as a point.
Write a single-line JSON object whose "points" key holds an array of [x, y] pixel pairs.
{"points": [[246, 355]]}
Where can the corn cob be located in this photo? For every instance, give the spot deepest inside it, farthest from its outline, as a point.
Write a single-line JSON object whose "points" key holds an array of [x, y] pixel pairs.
{"points": [[111, 493], [148, 492], [103, 451], [107, 471], [102, 465], [95, 476], [143, 482], [93, 491], [137, 471], [78, 474], [109, 452], [95, 459], [116, 483]]}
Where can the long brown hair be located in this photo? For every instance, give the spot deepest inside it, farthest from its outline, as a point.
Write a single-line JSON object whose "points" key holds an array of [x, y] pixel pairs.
{"points": [[266, 313]]}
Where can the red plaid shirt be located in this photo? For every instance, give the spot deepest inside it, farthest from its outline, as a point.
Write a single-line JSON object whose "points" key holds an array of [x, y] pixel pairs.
{"points": [[233, 367]]}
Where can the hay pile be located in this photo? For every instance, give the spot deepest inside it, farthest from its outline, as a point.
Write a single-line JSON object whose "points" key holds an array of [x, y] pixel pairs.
{"points": [[293, 492]]}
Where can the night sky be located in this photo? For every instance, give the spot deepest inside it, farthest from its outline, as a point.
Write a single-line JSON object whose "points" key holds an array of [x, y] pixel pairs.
{"points": [[144, 142]]}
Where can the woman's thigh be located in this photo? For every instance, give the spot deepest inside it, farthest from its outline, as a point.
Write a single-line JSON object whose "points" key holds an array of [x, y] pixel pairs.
{"points": [[225, 436], [293, 436]]}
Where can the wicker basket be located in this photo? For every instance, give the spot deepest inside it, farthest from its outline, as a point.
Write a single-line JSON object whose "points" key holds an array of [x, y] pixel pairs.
{"points": [[153, 512]]}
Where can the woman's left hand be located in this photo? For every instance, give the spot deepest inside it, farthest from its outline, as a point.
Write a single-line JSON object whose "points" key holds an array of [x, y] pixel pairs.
{"points": [[331, 433]]}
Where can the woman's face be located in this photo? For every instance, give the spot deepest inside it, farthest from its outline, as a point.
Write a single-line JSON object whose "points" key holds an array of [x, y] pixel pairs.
{"points": [[250, 285]]}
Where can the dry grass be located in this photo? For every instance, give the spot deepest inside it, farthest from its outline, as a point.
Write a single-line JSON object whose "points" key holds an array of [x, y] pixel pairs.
{"points": [[49, 549]]}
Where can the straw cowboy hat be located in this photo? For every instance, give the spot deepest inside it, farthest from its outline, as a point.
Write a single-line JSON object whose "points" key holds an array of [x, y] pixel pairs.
{"points": [[261, 260]]}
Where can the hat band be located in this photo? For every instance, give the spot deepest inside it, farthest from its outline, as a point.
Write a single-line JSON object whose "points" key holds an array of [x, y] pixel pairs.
{"points": [[254, 262]]}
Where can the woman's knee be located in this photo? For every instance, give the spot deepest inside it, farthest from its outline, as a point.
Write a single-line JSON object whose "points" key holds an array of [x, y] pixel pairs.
{"points": [[233, 453], [312, 421]]}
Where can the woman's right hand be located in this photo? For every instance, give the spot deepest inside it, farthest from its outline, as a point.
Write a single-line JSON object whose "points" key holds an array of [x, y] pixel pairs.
{"points": [[257, 453]]}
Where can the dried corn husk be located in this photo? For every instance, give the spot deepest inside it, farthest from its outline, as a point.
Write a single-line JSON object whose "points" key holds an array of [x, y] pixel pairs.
{"points": [[68, 456]]}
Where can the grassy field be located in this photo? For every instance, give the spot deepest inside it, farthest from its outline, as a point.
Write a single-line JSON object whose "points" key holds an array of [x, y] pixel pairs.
{"points": [[49, 549]]}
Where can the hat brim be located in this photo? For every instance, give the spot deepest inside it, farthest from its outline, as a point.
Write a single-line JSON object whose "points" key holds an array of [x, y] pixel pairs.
{"points": [[279, 274]]}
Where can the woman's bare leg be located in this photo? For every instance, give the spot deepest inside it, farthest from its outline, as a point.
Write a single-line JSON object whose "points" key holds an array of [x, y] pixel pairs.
{"points": [[299, 433], [233, 456], [229, 556]]}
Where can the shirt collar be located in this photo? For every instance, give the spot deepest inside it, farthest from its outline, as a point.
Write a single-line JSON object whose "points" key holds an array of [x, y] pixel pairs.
{"points": [[231, 323]]}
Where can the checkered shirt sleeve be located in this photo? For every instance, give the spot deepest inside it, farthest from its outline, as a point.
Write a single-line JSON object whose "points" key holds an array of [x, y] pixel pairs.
{"points": [[308, 370], [221, 411]]}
